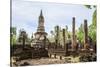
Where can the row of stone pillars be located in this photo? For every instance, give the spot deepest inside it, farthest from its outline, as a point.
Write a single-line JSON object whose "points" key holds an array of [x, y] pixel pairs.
{"points": [[74, 44]]}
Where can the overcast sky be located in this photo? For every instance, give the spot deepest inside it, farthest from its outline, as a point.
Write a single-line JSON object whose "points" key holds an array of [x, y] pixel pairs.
{"points": [[25, 15]]}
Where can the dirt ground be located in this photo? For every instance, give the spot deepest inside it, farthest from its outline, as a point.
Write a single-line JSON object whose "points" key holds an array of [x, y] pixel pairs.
{"points": [[46, 61]]}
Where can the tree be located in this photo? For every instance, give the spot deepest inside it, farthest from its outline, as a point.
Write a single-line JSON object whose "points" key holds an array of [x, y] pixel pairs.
{"points": [[80, 33], [92, 32], [92, 27], [13, 35], [69, 35], [23, 37], [94, 17], [56, 34]]}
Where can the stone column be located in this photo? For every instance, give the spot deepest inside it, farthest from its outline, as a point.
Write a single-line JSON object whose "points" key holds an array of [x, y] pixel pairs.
{"points": [[60, 57], [64, 42], [85, 35], [54, 55], [73, 35], [50, 55]]}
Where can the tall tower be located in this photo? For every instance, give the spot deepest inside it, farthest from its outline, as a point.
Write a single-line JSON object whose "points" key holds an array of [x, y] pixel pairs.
{"points": [[40, 35], [41, 23], [40, 29]]}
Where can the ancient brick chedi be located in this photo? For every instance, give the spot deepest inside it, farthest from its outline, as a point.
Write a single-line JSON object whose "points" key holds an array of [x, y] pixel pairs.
{"points": [[40, 35]]}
